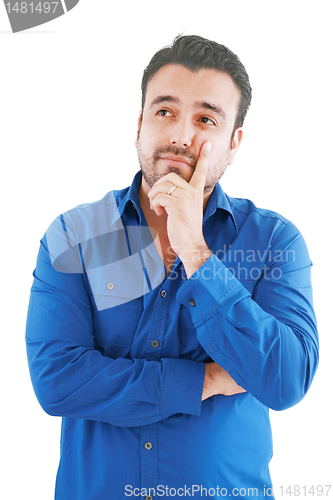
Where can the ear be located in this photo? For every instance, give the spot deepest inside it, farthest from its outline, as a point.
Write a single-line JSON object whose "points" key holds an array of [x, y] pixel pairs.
{"points": [[138, 130], [235, 143]]}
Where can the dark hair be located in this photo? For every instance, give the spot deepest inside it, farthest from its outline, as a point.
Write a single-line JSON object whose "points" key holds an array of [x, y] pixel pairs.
{"points": [[195, 53]]}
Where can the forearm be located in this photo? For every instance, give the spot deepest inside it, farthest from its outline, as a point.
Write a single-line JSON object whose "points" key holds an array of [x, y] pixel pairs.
{"points": [[266, 356], [72, 378], [195, 258], [79, 382], [278, 373]]}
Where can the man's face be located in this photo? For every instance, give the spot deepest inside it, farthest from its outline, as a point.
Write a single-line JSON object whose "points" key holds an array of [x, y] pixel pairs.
{"points": [[184, 109]]}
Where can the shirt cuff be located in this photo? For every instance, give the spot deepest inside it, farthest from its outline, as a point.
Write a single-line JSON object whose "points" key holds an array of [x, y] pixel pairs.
{"points": [[210, 287], [182, 392]]}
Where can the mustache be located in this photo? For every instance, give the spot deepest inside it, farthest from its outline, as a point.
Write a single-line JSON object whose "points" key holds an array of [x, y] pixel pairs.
{"points": [[174, 150]]}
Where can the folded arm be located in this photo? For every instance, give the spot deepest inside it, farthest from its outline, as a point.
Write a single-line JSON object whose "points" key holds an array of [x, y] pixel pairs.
{"points": [[267, 342], [71, 378]]}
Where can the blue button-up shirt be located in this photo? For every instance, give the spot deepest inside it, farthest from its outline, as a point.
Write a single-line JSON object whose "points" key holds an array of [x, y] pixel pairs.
{"points": [[117, 349]]}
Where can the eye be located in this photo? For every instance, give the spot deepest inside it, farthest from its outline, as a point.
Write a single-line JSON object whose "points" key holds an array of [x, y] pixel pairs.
{"points": [[206, 120], [163, 112]]}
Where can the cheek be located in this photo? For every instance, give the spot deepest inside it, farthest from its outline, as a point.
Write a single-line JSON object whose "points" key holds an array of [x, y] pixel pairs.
{"points": [[218, 162], [221, 148], [219, 143], [149, 138]]}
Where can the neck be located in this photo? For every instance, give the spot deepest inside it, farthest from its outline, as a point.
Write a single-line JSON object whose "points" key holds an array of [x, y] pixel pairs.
{"points": [[152, 219]]}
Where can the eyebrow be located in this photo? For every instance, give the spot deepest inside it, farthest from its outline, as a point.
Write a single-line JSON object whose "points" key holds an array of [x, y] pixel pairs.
{"points": [[164, 98], [198, 104], [212, 107]]}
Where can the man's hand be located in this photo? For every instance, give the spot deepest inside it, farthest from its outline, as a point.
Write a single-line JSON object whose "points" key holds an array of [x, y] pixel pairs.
{"points": [[218, 381], [184, 208]]}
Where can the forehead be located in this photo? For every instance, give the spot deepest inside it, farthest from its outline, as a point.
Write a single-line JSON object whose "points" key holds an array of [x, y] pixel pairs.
{"points": [[193, 86]]}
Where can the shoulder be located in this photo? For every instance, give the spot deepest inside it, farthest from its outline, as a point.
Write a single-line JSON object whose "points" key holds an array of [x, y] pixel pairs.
{"points": [[87, 220], [247, 213], [267, 225], [244, 207], [106, 205]]}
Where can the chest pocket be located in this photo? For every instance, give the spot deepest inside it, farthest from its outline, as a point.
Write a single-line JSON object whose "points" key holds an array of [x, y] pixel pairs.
{"points": [[117, 283]]}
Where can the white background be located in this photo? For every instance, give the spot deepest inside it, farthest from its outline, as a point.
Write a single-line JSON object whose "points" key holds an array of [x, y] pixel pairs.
{"points": [[70, 98]]}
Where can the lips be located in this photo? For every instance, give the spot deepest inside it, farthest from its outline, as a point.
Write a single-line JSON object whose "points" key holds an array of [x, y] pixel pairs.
{"points": [[176, 161]]}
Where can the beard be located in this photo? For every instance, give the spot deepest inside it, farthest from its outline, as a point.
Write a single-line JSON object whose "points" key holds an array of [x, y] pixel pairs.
{"points": [[152, 173]]}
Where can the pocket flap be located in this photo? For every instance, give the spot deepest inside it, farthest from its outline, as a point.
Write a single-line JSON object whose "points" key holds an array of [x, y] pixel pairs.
{"points": [[118, 282]]}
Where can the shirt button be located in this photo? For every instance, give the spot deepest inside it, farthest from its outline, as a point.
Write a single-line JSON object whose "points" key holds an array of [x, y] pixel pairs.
{"points": [[155, 343], [192, 302], [148, 445], [163, 293], [148, 497], [110, 285]]}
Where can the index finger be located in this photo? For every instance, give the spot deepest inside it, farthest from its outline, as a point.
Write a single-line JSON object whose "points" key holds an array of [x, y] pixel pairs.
{"points": [[198, 178]]}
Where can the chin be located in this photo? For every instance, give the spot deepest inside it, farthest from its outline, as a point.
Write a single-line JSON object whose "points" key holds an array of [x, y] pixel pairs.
{"points": [[179, 172]]}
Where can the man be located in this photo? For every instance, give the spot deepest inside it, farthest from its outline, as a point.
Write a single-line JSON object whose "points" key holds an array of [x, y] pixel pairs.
{"points": [[167, 318]]}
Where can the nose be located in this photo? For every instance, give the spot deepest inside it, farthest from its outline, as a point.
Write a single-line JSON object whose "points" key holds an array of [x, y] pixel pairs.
{"points": [[182, 134]]}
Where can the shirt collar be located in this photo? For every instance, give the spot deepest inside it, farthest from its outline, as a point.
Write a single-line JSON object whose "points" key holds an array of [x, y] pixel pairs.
{"points": [[218, 199], [131, 196]]}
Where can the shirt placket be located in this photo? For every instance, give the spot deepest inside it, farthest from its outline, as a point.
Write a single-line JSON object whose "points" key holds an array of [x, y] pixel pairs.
{"points": [[149, 443]]}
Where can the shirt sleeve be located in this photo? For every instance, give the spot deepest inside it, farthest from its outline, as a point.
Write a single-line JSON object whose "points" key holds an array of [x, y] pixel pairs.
{"points": [[71, 378], [267, 341]]}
